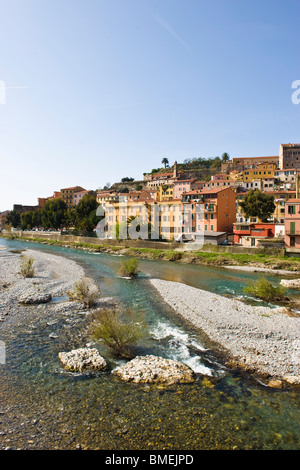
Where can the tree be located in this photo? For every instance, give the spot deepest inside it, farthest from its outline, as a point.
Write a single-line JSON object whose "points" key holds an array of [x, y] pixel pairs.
{"points": [[216, 163], [258, 204], [85, 214], [54, 214], [13, 218], [127, 179], [165, 162], [27, 220], [225, 157]]}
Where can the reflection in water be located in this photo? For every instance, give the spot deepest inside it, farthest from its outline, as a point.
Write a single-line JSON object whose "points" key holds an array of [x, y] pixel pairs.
{"points": [[46, 407]]}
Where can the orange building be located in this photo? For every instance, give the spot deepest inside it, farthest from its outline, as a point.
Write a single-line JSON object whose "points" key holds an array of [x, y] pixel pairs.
{"points": [[212, 210]]}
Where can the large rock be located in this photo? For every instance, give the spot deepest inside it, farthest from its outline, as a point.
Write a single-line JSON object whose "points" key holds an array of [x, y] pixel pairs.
{"points": [[83, 359], [33, 298], [291, 283], [153, 369]]}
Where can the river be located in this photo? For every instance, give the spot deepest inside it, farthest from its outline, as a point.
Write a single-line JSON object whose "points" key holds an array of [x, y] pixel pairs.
{"points": [[45, 407]]}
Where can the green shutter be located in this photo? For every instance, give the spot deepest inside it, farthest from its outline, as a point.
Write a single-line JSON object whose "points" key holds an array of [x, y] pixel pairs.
{"points": [[292, 228]]}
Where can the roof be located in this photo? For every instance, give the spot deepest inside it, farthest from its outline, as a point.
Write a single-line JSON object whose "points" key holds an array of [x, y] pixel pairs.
{"points": [[74, 187]]}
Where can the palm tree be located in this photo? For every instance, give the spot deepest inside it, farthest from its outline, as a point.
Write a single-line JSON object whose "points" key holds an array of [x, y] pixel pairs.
{"points": [[165, 162]]}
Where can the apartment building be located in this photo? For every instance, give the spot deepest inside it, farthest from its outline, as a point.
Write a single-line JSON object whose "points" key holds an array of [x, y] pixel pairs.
{"points": [[67, 194], [289, 156], [78, 195], [262, 170], [214, 211]]}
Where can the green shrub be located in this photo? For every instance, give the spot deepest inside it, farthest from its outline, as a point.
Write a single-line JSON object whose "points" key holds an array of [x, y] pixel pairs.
{"points": [[26, 266], [263, 289], [129, 268], [119, 330], [83, 293]]}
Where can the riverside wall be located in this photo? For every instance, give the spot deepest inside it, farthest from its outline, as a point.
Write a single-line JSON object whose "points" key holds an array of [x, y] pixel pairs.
{"points": [[129, 243]]}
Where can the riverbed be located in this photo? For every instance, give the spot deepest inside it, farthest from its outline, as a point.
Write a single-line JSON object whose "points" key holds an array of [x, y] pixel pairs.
{"points": [[45, 407]]}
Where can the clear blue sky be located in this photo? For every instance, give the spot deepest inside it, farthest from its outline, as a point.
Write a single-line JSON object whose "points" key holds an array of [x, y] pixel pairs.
{"points": [[101, 89]]}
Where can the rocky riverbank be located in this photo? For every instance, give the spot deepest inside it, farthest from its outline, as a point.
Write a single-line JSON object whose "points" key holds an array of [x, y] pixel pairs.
{"points": [[258, 339], [54, 276]]}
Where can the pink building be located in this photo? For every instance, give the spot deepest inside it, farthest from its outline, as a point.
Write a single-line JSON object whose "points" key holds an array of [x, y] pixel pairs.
{"points": [[181, 186], [292, 224], [78, 195]]}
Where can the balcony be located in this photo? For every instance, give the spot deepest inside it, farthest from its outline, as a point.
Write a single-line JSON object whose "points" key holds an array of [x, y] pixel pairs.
{"points": [[292, 233]]}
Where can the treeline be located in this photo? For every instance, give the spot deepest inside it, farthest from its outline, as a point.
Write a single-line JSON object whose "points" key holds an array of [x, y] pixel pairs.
{"points": [[198, 163], [56, 215]]}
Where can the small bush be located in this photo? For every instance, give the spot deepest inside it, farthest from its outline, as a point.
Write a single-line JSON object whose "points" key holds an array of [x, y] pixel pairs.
{"points": [[84, 294], [26, 266], [129, 268], [263, 289], [118, 330]]}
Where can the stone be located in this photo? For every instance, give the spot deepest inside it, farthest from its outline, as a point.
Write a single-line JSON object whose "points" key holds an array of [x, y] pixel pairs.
{"points": [[83, 359], [34, 298], [275, 383], [291, 283], [292, 379], [154, 370]]}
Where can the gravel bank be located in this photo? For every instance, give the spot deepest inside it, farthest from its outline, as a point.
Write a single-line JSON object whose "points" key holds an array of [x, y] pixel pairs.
{"points": [[259, 339], [54, 276]]}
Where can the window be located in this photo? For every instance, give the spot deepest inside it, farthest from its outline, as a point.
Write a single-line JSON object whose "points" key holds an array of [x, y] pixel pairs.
{"points": [[292, 209]]}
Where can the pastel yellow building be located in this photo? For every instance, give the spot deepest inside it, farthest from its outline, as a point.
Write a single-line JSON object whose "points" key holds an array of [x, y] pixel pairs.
{"points": [[263, 170]]}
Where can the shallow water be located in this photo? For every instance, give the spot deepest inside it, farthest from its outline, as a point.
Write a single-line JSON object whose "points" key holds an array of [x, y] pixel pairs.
{"points": [[45, 407]]}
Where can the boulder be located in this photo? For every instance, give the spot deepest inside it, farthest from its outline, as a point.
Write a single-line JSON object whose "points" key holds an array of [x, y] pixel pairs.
{"points": [[154, 370], [82, 359], [291, 283], [30, 298]]}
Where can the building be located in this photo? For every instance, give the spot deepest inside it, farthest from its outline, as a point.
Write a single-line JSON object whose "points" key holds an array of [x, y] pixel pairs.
{"points": [[244, 163], [289, 156], [183, 186], [261, 171], [106, 197], [3, 219], [155, 180], [252, 234], [212, 210], [292, 224], [19, 208], [78, 195], [67, 194], [286, 176]]}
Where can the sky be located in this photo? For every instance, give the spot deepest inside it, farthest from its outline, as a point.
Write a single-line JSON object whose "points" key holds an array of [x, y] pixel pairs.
{"points": [[92, 91]]}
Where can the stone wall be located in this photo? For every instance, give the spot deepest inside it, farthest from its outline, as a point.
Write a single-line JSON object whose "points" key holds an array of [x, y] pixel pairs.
{"points": [[143, 243]]}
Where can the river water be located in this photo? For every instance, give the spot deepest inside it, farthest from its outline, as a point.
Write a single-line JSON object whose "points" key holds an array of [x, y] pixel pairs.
{"points": [[44, 407]]}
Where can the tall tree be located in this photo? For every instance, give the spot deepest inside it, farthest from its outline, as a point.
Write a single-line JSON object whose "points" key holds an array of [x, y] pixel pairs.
{"points": [[13, 218], [225, 157], [258, 204], [54, 214], [85, 213], [165, 162]]}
